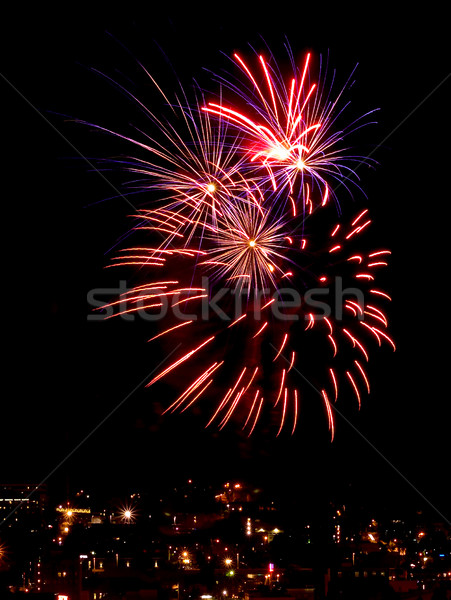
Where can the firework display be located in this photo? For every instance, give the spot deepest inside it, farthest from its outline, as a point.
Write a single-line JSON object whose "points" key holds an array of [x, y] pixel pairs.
{"points": [[247, 260]]}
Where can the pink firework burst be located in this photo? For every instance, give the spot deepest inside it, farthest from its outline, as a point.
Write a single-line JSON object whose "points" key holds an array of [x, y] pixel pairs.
{"points": [[290, 127]]}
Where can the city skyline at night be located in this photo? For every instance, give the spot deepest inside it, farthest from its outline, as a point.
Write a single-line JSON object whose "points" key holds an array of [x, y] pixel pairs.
{"points": [[205, 538]]}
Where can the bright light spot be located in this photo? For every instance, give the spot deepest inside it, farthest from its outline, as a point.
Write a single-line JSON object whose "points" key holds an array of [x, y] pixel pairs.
{"points": [[211, 187], [300, 164], [252, 243], [127, 514], [69, 513], [271, 267], [280, 153]]}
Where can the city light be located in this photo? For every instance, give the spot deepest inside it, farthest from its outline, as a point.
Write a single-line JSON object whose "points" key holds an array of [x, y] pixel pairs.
{"points": [[235, 554], [248, 527], [3, 552], [128, 514], [185, 559]]}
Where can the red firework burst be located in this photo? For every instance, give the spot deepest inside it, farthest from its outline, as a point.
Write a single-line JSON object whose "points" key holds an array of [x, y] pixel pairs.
{"points": [[260, 287]]}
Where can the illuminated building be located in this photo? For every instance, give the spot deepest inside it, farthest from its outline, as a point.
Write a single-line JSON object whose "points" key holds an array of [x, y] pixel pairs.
{"points": [[234, 494], [69, 515], [23, 504]]}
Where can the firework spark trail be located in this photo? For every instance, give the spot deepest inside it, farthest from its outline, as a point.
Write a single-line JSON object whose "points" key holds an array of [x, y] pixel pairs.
{"points": [[229, 222]]}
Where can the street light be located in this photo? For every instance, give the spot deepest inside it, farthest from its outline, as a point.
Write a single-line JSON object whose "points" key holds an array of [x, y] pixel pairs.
{"points": [[127, 514]]}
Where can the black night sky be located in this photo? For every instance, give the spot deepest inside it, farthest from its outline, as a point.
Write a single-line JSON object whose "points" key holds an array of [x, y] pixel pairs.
{"points": [[64, 374]]}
